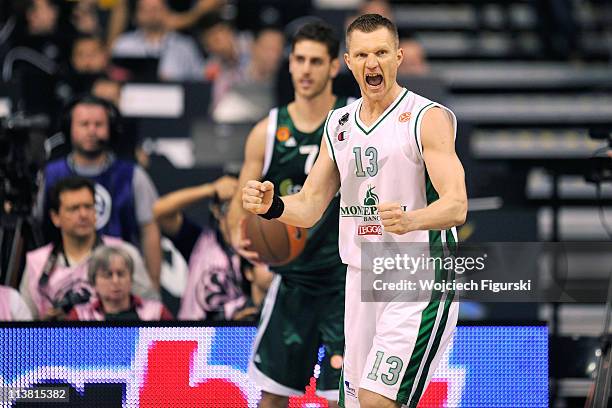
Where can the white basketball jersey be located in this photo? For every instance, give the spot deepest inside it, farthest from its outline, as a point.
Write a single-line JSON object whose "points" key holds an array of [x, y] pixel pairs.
{"points": [[380, 163]]}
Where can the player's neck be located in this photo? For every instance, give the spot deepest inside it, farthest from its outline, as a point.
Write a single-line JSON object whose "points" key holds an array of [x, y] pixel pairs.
{"points": [[371, 109], [308, 114]]}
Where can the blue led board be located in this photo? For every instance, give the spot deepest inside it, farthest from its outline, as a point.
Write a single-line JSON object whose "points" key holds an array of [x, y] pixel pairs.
{"points": [[484, 366]]}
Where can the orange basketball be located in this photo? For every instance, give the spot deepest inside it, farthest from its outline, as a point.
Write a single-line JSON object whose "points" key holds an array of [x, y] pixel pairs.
{"points": [[276, 243]]}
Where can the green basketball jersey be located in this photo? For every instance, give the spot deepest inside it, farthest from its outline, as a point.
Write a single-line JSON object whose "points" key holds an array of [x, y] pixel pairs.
{"points": [[290, 154]]}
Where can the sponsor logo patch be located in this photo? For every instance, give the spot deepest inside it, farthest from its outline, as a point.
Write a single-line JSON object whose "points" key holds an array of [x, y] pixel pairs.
{"points": [[283, 134], [368, 212], [369, 229], [343, 119], [405, 117], [371, 198], [348, 390]]}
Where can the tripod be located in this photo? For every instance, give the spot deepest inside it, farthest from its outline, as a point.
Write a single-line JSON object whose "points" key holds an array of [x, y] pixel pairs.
{"points": [[18, 233]]}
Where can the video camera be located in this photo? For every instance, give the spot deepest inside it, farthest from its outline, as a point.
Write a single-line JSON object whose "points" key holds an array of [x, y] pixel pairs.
{"points": [[17, 166]]}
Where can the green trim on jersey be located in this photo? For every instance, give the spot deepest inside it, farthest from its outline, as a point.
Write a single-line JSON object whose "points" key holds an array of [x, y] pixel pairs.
{"points": [[428, 321], [367, 132], [430, 191], [331, 146], [416, 122], [434, 347], [428, 317], [341, 389], [292, 155]]}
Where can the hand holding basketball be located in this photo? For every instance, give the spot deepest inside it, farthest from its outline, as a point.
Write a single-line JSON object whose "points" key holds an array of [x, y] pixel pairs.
{"points": [[257, 196]]}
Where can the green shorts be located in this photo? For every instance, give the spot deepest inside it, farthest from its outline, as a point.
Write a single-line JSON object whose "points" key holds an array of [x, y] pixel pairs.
{"points": [[293, 326]]}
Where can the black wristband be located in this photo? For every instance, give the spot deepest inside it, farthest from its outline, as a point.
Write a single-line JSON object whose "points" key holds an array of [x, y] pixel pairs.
{"points": [[275, 210]]}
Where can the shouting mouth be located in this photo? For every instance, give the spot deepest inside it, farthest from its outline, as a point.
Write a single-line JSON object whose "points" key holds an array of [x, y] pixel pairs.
{"points": [[374, 80]]}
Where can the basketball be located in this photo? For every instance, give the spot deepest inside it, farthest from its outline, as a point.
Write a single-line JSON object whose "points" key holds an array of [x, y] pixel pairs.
{"points": [[276, 243]]}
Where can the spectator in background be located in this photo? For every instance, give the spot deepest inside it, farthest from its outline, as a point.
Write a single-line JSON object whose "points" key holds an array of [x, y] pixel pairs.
{"points": [[84, 17], [124, 192], [110, 273], [128, 146], [214, 283], [267, 52], [175, 21], [41, 31], [256, 281], [89, 55], [414, 62], [40, 49], [55, 276], [242, 71], [89, 60], [107, 89], [12, 306], [179, 57], [228, 55]]}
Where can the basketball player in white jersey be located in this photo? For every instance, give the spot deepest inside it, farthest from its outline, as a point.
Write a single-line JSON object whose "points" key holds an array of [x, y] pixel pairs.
{"points": [[391, 154]]}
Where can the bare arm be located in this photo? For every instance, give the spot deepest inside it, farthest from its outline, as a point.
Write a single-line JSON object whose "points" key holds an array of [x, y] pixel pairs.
{"points": [[447, 176], [305, 208], [186, 19], [252, 168], [167, 209], [118, 21], [150, 241]]}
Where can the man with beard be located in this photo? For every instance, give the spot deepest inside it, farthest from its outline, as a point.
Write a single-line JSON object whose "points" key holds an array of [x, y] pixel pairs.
{"points": [[304, 307], [124, 192]]}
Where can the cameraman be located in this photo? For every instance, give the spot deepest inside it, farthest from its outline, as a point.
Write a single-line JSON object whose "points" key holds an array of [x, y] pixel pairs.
{"points": [[55, 276], [124, 192]]}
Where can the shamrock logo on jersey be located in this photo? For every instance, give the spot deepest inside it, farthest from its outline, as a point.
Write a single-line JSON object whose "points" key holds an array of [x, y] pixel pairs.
{"points": [[371, 198]]}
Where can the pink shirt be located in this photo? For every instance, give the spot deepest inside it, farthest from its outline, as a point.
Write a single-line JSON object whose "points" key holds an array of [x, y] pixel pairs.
{"points": [[214, 281], [145, 309]]}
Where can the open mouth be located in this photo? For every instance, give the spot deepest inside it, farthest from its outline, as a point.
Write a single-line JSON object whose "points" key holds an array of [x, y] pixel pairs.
{"points": [[374, 79]]}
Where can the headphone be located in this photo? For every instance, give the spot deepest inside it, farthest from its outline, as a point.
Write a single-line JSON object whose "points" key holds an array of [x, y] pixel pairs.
{"points": [[112, 113]]}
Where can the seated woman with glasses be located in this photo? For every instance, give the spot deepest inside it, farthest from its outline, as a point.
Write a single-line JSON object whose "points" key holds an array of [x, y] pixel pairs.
{"points": [[110, 273]]}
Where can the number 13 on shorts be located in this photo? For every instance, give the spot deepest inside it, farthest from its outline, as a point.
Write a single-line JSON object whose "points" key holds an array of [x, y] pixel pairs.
{"points": [[385, 368], [389, 373]]}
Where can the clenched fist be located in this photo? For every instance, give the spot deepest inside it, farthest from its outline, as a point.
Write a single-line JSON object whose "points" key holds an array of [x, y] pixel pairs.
{"points": [[257, 196], [393, 218]]}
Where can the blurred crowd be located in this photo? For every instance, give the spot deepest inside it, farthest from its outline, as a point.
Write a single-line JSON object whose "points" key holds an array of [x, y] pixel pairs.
{"points": [[107, 233]]}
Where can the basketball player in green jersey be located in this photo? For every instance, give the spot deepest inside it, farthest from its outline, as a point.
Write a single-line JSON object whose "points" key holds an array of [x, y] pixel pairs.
{"points": [[304, 308]]}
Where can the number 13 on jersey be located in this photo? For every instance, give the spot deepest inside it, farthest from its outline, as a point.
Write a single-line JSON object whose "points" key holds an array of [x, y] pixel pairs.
{"points": [[372, 156]]}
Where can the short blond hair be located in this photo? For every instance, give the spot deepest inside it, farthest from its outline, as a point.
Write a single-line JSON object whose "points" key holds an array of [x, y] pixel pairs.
{"points": [[369, 23]]}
